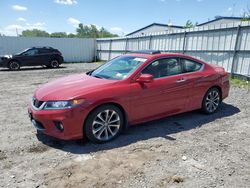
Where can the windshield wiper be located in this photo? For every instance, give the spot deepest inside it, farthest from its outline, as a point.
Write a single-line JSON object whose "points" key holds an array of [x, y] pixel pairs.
{"points": [[100, 76], [97, 76]]}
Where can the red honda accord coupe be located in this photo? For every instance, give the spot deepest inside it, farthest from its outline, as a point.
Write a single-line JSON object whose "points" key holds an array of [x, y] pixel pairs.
{"points": [[127, 90]]}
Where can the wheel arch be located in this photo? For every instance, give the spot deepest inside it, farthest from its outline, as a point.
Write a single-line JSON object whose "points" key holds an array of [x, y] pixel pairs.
{"points": [[214, 86], [54, 58], [219, 88], [8, 63], [125, 115]]}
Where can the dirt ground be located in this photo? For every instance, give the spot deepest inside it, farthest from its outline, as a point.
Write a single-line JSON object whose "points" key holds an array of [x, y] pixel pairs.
{"points": [[187, 150]]}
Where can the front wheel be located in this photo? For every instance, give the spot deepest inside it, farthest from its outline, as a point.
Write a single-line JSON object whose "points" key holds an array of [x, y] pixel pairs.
{"points": [[211, 101], [104, 124], [14, 65]]}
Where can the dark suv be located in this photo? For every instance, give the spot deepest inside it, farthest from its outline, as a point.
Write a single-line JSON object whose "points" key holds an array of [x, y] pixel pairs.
{"points": [[35, 56]]}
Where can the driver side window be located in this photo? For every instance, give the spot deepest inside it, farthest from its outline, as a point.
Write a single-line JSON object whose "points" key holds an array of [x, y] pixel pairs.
{"points": [[31, 52], [163, 67]]}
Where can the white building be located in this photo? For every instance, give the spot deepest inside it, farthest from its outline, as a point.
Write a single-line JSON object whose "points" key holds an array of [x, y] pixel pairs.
{"points": [[222, 21], [157, 27], [153, 28]]}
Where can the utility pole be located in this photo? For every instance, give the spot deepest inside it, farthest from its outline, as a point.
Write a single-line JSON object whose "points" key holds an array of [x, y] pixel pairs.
{"points": [[17, 32]]}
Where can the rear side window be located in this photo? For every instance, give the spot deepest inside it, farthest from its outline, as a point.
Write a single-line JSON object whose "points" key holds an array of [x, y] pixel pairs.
{"points": [[190, 66], [44, 51]]}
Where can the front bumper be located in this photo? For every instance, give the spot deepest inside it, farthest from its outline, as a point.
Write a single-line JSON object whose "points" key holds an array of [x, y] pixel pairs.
{"points": [[3, 63], [48, 121], [225, 89]]}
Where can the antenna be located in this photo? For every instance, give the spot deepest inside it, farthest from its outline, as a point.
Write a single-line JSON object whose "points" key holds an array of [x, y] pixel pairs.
{"points": [[17, 32], [233, 9]]}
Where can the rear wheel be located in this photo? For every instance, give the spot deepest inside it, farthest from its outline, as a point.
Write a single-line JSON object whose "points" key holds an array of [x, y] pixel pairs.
{"points": [[104, 124], [54, 63], [14, 65], [211, 101]]}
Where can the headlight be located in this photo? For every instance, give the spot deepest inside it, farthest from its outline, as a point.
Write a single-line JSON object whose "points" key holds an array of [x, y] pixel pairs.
{"points": [[58, 105]]}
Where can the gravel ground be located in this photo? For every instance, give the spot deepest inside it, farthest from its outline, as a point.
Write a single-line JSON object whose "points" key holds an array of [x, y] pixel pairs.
{"points": [[186, 150]]}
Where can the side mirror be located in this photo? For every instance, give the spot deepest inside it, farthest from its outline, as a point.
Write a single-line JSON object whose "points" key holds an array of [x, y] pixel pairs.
{"points": [[145, 78]]}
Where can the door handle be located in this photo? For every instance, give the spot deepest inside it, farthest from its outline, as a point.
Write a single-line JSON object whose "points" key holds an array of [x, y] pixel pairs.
{"points": [[181, 80]]}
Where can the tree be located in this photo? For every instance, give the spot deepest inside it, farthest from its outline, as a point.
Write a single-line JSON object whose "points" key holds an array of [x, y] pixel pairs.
{"points": [[105, 34], [246, 15], [35, 33], [189, 24], [245, 19], [84, 31], [71, 35], [59, 35]]}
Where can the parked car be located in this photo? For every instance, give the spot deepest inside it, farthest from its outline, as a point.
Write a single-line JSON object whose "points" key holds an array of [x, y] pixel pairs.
{"points": [[36, 56], [127, 90]]}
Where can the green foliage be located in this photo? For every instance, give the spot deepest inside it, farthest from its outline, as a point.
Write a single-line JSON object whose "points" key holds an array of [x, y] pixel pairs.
{"points": [[239, 82], [35, 33], [246, 15], [71, 35], [83, 31], [105, 34], [59, 35], [245, 19], [189, 24]]}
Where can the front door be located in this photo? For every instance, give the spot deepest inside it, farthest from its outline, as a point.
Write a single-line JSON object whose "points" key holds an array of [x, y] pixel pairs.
{"points": [[167, 94], [30, 58]]}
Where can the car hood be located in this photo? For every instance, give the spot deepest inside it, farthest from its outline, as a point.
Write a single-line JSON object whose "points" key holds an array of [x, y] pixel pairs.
{"points": [[8, 56], [70, 87], [5, 57]]}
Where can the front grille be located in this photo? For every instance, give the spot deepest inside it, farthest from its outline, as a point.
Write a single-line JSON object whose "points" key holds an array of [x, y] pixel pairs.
{"points": [[37, 103]]}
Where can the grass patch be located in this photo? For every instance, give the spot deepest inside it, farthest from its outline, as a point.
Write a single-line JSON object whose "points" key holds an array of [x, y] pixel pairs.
{"points": [[239, 82]]}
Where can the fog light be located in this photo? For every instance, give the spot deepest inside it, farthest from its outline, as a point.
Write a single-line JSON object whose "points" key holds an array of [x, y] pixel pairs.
{"points": [[59, 126]]}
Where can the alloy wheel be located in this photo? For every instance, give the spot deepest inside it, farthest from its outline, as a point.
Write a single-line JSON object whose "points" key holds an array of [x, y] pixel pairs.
{"points": [[14, 65], [212, 100], [106, 125]]}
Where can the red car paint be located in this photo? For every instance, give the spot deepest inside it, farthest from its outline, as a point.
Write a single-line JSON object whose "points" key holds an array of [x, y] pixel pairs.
{"points": [[161, 98]]}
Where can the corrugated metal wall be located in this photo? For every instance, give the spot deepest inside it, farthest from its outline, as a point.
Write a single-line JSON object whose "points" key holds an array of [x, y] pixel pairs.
{"points": [[227, 45], [73, 49]]}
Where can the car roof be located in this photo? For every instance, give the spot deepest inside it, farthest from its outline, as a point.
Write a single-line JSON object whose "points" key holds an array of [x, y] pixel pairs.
{"points": [[149, 55], [42, 47], [162, 55]]}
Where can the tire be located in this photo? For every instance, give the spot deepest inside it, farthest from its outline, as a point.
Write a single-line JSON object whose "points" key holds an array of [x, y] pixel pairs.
{"points": [[14, 65], [104, 124], [54, 63], [211, 101]]}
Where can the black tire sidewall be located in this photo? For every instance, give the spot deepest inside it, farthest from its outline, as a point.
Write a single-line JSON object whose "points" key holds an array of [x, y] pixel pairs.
{"points": [[9, 66], [51, 63], [88, 123], [204, 108]]}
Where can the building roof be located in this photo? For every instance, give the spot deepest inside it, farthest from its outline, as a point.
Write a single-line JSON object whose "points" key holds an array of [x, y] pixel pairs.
{"points": [[155, 24], [181, 27], [220, 18]]}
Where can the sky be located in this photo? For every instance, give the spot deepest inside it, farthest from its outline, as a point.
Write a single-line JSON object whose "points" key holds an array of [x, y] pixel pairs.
{"points": [[118, 16]]}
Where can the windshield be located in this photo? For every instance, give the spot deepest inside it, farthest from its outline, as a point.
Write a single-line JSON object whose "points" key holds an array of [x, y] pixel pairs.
{"points": [[118, 68], [19, 53]]}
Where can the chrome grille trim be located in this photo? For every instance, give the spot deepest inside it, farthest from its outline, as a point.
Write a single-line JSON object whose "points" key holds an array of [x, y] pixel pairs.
{"points": [[37, 108]]}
